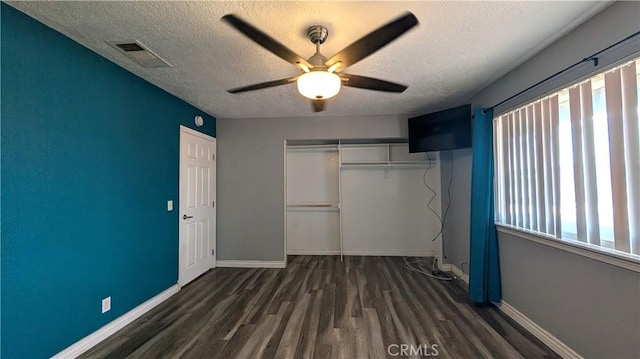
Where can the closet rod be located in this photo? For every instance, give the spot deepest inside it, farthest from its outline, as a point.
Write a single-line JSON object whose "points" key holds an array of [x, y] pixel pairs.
{"points": [[312, 205]]}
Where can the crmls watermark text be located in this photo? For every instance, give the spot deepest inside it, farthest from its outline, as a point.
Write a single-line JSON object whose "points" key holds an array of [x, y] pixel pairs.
{"points": [[423, 350]]}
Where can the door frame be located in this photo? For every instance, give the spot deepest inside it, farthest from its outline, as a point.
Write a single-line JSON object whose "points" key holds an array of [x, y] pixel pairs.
{"points": [[190, 131], [285, 202]]}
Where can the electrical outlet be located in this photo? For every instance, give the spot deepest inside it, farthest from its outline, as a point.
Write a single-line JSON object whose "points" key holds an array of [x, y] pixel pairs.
{"points": [[106, 304], [169, 205]]}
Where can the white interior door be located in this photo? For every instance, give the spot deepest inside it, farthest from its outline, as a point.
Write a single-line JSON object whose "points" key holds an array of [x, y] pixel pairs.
{"points": [[197, 204]]}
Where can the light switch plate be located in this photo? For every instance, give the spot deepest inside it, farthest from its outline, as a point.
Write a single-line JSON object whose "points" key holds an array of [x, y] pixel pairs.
{"points": [[169, 205], [106, 304]]}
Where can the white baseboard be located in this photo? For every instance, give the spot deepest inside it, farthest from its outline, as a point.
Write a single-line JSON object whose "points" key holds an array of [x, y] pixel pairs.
{"points": [[251, 264], [456, 271], [547, 338], [347, 252], [103, 333], [303, 252], [537, 331]]}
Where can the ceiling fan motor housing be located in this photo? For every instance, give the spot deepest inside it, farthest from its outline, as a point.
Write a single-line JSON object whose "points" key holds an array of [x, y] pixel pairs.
{"points": [[318, 34]]}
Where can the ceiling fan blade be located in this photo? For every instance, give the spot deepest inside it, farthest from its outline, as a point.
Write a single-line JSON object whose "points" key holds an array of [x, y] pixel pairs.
{"points": [[318, 105], [370, 83], [374, 41], [265, 41], [263, 85]]}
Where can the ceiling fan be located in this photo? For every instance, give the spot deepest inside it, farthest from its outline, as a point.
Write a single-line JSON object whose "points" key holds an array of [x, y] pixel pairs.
{"points": [[321, 78]]}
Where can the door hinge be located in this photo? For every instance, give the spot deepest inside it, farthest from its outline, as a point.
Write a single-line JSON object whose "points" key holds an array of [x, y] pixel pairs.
{"points": [[213, 157], [213, 252], [213, 204]]}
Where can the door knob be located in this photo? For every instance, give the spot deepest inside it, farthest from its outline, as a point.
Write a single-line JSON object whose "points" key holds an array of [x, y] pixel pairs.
{"points": [[186, 217]]}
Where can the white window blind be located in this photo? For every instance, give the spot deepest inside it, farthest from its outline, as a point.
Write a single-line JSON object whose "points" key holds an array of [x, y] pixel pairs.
{"points": [[568, 165]]}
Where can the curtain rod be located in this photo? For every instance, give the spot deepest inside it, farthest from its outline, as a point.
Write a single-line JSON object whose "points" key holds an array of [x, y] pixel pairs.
{"points": [[593, 58]]}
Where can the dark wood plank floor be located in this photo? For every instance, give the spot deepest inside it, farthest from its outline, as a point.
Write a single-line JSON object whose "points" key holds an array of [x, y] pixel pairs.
{"points": [[319, 307]]}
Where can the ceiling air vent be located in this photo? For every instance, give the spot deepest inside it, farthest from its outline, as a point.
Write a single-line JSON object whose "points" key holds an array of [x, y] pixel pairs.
{"points": [[139, 53]]}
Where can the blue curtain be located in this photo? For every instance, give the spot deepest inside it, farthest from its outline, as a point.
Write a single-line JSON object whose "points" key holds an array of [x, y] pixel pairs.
{"points": [[484, 265]]}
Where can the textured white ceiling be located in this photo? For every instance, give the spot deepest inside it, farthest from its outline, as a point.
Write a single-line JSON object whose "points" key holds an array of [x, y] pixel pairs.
{"points": [[457, 49]]}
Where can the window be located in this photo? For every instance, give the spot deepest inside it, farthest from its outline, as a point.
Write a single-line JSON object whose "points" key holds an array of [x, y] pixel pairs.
{"points": [[568, 165]]}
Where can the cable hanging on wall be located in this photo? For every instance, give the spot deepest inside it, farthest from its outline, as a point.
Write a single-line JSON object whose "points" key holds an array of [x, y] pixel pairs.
{"points": [[413, 263]]}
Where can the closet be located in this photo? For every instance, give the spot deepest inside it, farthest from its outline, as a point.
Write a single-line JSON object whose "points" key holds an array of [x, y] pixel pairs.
{"points": [[361, 197]]}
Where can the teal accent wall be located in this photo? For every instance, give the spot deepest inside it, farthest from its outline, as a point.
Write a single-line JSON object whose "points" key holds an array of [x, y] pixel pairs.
{"points": [[90, 156]]}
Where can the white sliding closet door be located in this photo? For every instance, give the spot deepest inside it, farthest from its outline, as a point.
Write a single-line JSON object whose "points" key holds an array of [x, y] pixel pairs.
{"points": [[313, 217]]}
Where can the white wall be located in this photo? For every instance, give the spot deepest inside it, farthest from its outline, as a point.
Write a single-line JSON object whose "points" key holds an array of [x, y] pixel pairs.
{"points": [[591, 306], [251, 175]]}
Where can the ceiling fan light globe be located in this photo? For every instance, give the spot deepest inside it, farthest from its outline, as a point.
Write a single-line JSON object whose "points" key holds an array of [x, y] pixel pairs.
{"points": [[319, 85]]}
